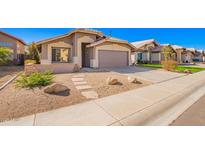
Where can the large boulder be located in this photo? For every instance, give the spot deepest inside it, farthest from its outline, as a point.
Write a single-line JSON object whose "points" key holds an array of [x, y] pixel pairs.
{"points": [[56, 89], [132, 79], [112, 81]]}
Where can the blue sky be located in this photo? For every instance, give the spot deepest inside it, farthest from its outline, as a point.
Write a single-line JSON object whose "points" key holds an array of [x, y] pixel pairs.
{"points": [[187, 37]]}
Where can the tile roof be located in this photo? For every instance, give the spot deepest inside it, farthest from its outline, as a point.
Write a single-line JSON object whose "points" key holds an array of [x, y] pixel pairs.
{"points": [[82, 30], [191, 49], [110, 39], [177, 47], [139, 44]]}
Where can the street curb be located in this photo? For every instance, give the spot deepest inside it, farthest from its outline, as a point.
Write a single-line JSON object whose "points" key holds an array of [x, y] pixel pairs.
{"points": [[180, 108], [166, 111]]}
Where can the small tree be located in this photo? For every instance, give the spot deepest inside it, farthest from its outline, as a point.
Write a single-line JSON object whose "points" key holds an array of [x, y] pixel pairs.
{"points": [[34, 53], [5, 55], [169, 62], [168, 52]]}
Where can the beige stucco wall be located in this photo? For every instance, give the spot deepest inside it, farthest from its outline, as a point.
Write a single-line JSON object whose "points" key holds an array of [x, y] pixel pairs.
{"points": [[72, 42], [110, 46], [82, 38], [55, 68], [144, 48], [133, 57], [46, 49], [20, 48], [188, 56], [16, 46], [179, 55], [156, 57]]}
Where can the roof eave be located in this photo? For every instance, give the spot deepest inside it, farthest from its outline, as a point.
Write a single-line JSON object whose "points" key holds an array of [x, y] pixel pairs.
{"points": [[14, 37], [68, 34]]}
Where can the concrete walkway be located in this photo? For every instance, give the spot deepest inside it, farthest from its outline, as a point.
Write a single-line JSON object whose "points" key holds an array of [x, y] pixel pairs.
{"points": [[149, 105], [152, 75], [85, 89]]}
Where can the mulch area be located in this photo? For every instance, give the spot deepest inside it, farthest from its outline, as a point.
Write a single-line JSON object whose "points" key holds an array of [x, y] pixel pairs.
{"points": [[17, 102]]}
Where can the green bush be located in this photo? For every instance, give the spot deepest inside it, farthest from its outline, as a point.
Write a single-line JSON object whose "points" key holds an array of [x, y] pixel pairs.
{"points": [[29, 61], [5, 55], [35, 80]]}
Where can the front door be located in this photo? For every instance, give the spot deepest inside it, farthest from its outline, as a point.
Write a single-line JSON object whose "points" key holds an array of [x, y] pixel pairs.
{"points": [[85, 56]]}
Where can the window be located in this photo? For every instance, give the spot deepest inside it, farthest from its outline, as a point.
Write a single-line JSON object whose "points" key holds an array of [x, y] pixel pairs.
{"points": [[5, 44], [60, 55], [139, 56]]}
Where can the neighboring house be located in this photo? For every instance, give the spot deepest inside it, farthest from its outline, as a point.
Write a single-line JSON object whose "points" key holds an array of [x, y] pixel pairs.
{"points": [[150, 51], [144, 48], [15, 44], [179, 51], [87, 48], [199, 56], [157, 53], [188, 55]]}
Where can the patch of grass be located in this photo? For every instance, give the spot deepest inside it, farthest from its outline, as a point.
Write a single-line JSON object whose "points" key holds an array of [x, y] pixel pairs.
{"points": [[178, 68], [35, 80], [156, 66], [192, 69]]}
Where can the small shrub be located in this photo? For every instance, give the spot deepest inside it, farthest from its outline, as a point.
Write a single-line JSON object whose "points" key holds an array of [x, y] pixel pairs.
{"points": [[169, 65], [29, 61], [5, 55], [35, 80]]}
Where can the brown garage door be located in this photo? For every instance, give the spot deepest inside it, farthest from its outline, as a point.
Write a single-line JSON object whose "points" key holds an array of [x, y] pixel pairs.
{"points": [[110, 58]]}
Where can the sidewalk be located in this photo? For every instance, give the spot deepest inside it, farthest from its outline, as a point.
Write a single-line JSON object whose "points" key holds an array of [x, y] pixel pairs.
{"points": [[144, 106]]}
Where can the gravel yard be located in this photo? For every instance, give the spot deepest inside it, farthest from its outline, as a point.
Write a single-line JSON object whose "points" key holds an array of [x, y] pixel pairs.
{"points": [[18, 102], [98, 82], [7, 72]]}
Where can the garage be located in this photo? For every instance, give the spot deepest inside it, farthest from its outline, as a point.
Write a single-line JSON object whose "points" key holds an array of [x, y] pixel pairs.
{"points": [[155, 57], [111, 58]]}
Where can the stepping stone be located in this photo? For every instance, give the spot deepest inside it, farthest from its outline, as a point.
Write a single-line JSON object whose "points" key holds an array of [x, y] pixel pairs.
{"points": [[79, 76], [90, 94], [77, 79], [80, 82], [83, 87]]}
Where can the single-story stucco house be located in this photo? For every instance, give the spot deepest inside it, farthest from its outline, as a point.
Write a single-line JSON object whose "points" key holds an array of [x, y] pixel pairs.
{"points": [[188, 55], [158, 56], [15, 44], [199, 56], [150, 51], [144, 49], [86, 48]]}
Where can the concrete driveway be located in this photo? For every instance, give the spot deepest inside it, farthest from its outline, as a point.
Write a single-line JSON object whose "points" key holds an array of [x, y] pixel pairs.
{"points": [[152, 75]]}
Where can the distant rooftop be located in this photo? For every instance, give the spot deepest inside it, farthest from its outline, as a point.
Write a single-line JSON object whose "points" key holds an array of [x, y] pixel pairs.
{"points": [[139, 44]]}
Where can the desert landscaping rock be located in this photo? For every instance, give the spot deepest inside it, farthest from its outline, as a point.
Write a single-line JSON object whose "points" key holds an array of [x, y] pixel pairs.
{"points": [[112, 81], [83, 87], [55, 89], [90, 94], [16, 102], [77, 79], [133, 79], [188, 71], [80, 83]]}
